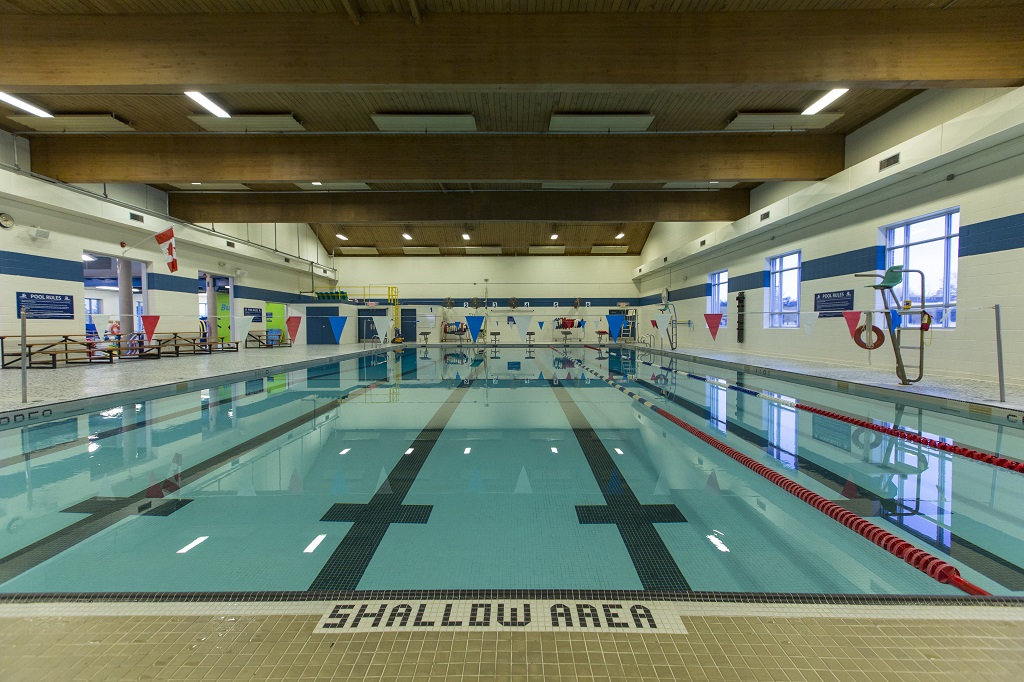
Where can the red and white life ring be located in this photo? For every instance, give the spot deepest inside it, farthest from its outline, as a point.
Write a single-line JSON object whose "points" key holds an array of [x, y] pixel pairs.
{"points": [[877, 337], [115, 328]]}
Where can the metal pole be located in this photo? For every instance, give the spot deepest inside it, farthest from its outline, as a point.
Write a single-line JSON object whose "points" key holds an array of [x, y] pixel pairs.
{"points": [[999, 356], [24, 354]]}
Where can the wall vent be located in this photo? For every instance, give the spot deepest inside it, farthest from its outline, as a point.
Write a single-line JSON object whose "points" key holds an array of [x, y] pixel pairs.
{"points": [[703, 242], [287, 260], [888, 162], [766, 215], [665, 259], [137, 217], [230, 245]]}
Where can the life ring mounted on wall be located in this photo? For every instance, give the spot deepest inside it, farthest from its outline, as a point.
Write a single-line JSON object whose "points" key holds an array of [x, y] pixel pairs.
{"points": [[115, 328], [877, 337]]}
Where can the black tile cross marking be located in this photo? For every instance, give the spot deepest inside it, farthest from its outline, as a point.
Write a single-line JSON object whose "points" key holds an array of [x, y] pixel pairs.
{"points": [[347, 564], [654, 564]]}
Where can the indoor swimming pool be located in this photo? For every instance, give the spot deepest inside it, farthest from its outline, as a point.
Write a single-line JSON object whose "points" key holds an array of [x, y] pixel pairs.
{"points": [[506, 469]]}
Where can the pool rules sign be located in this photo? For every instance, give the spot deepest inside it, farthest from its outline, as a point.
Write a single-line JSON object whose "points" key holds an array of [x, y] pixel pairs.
{"points": [[537, 615]]}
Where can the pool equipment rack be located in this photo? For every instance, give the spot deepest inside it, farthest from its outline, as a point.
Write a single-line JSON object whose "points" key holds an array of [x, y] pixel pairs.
{"points": [[894, 277]]}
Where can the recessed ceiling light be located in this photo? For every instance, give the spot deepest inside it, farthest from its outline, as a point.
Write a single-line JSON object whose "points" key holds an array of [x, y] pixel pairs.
{"points": [[407, 235], [554, 233], [87, 258], [620, 235], [24, 106], [341, 237], [204, 101], [826, 99]]}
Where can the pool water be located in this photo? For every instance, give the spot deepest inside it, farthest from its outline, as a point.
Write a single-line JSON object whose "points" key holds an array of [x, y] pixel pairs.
{"points": [[511, 468]]}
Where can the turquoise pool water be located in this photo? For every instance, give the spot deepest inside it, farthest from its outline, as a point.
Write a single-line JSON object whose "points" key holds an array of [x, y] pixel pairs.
{"points": [[436, 469]]}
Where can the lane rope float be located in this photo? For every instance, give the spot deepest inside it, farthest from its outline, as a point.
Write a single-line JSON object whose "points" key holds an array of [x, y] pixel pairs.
{"points": [[927, 563], [952, 448]]}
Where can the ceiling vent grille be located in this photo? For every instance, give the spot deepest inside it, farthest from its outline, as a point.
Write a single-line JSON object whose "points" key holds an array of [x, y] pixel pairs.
{"points": [[888, 162], [137, 217]]}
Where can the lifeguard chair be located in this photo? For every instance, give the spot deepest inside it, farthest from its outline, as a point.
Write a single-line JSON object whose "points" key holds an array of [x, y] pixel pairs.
{"points": [[895, 311]]}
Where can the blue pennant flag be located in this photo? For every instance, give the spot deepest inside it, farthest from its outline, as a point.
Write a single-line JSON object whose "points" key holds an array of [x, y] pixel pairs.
{"points": [[457, 378], [540, 324], [474, 322], [337, 327], [541, 376], [615, 323], [583, 323], [895, 318]]}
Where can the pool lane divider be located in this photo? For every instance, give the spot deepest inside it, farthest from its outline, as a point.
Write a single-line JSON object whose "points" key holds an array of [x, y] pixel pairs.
{"points": [[970, 453], [929, 564]]}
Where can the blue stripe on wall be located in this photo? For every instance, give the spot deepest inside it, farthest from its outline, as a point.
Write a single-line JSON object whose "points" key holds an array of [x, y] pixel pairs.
{"points": [[755, 280], [161, 282], [44, 267], [861, 260], [686, 293], [271, 295], [1001, 234]]}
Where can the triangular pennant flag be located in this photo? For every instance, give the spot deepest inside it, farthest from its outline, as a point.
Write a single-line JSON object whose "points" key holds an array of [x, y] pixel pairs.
{"points": [[337, 324], [340, 486], [149, 323], [714, 321], [295, 484], [540, 325], [852, 318], [661, 323], [166, 241], [241, 327], [474, 322], [614, 486], [293, 323], [568, 376], [522, 323], [541, 376], [523, 484], [615, 323], [895, 318], [850, 490], [713, 483], [583, 323], [389, 327], [383, 485], [476, 484], [458, 379]]}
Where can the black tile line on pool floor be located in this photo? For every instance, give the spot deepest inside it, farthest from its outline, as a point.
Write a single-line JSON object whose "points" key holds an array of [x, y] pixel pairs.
{"points": [[105, 512], [1001, 570], [651, 558], [231, 599], [370, 521]]}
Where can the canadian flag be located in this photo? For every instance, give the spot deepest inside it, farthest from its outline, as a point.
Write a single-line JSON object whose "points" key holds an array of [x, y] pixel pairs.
{"points": [[166, 241]]}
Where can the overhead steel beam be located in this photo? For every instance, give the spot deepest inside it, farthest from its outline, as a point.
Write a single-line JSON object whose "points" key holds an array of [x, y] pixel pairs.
{"points": [[808, 49], [436, 158], [469, 207]]}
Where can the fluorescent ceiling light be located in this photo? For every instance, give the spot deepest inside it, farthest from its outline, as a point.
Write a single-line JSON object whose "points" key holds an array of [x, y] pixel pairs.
{"points": [[104, 287], [313, 545], [620, 235], [466, 235], [192, 544], [197, 183], [204, 101], [409, 451], [345, 451], [74, 123], [24, 106], [317, 184], [717, 543], [467, 451], [407, 235], [341, 237], [554, 450], [554, 233], [618, 451], [829, 97], [87, 258]]}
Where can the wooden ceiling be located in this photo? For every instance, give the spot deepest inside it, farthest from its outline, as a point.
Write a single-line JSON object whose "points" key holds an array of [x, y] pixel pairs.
{"points": [[514, 238], [422, 57]]}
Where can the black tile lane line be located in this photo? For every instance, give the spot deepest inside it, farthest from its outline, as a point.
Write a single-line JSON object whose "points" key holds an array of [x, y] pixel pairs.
{"points": [[105, 512], [349, 560], [652, 560], [995, 567]]}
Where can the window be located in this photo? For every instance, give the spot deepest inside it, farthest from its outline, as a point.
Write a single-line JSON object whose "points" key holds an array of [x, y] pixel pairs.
{"points": [[93, 306], [929, 244], [717, 398], [784, 290], [780, 422], [718, 300]]}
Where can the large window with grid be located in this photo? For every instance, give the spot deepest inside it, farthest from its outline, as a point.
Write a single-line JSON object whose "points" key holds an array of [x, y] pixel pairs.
{"points": [[784, 290], [718, 297], [929, 244]]}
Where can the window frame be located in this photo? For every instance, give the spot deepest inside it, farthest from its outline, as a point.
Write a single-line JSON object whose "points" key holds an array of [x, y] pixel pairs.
{"points": [[776, 317], [715, 303], [889, 233]]}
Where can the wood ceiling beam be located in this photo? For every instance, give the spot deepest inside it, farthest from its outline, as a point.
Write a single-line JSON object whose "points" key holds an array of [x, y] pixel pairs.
{"points": [[469, 207], [435, 158], [353, 13], [415, 9], [810, 49]]}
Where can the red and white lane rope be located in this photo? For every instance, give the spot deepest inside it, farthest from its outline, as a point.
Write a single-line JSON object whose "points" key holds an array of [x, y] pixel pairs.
{"points": [[929, 564], [952, 448]]}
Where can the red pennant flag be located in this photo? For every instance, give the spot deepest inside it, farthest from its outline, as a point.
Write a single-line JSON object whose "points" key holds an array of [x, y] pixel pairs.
{"points": [[714, 321], [149, 323], [852, 318], [293, 323], [166, 241]]}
